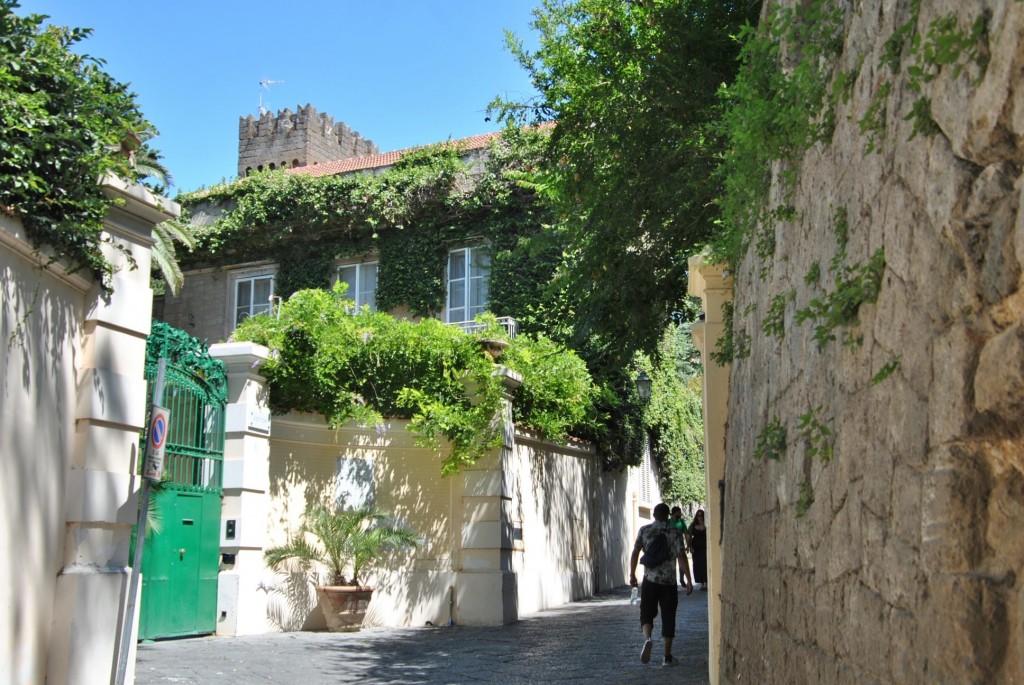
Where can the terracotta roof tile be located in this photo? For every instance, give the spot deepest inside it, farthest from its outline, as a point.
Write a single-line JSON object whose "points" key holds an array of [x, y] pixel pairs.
{"points": [[384, 159]]}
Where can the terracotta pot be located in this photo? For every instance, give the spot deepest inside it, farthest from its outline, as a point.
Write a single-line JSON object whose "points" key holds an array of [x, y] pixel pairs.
{"points": [[344, 606], [493, 348]]}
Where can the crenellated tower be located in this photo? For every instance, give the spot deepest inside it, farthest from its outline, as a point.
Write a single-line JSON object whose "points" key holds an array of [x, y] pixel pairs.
{"points": [[300, 138]]}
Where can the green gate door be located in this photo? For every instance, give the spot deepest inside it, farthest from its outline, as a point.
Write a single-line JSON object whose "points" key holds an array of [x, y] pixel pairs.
{"points": [[181, 558]]}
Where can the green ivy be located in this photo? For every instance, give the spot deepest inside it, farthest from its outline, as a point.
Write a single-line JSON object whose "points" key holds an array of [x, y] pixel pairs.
{"points": [[856, 284], [771, 441], [674, 416], [409, 215], [816, 433], [775, 110], [872, 124], [774, 323], [887, 370], [813, 275], [63, 121], [732, 344]]}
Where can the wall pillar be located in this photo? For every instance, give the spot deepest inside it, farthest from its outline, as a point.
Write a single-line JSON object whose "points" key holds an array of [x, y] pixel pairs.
{"points": [[101, 481], [241, 604], [486, 588], [713, 286]]}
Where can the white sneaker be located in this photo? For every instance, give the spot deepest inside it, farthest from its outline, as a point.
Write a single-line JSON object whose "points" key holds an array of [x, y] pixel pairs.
{"points": [[645, 653]]}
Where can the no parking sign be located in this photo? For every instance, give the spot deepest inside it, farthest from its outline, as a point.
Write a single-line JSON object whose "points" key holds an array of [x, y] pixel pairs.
{"points": [[156, 440]]}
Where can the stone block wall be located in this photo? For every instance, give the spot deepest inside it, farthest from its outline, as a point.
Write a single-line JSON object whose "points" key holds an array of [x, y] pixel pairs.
{"points": [[900, 558], [299, 138]]}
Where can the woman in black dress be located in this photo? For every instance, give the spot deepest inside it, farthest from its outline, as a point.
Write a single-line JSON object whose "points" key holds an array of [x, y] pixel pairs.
{"points": [[699, 548]]}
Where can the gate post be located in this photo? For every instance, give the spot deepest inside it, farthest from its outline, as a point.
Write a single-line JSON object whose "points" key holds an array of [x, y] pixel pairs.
{"points": [[110, 407], [241, 604], [487, 590]]}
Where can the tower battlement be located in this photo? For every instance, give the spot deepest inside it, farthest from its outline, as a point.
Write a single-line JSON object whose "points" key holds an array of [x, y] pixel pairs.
{"points": [[300, 138]]}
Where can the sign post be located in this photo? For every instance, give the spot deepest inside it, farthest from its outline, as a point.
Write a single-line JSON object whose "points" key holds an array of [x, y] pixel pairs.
{"points": [[153, 468]]}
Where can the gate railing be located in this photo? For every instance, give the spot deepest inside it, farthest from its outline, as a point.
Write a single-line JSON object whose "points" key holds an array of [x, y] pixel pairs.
{"points": [[195, 391]]}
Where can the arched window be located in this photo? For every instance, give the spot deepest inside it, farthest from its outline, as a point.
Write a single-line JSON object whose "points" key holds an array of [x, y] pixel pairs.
{"points": [[248, 170], [272, 166], [295, 162]]}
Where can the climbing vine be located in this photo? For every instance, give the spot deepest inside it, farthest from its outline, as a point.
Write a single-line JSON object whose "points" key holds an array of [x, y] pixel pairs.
{"points": [[409, 215], [63, 124]]}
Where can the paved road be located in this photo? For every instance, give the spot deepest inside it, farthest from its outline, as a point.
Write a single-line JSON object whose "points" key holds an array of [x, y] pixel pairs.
{"points": [[593, 641]]}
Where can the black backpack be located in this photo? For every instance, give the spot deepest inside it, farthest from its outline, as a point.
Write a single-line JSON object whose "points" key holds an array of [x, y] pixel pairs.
{"points": [[657, 552]]}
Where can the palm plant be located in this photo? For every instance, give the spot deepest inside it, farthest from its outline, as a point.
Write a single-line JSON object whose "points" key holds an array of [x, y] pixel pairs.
{"points": [[151, 171], [165, 259], [341, 539]]}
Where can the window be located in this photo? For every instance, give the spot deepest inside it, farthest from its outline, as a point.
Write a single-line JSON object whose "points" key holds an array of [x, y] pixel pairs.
{"points": [[469, 270], [252, 296], [362, 283]]}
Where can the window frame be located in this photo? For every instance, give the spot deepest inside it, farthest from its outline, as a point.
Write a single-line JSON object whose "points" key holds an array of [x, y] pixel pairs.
{"points": [[359, 276], [251, 277], [468, 279]]}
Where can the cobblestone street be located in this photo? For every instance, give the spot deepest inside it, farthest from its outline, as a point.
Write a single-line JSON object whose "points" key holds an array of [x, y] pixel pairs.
{"points": [[593, 641]]}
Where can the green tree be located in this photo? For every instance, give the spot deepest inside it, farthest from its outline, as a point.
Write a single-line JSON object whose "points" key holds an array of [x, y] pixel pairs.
{"points": [[64, 123], [632, 87]]}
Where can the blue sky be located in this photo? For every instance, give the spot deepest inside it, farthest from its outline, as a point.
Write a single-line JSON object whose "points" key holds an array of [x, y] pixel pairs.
{"points": [[400, 72]]}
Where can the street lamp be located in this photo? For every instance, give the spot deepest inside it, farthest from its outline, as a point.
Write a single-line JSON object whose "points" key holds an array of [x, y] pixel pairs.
{"points": [[643, 385]]}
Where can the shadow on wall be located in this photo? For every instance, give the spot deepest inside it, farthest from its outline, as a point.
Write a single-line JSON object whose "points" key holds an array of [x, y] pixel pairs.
{"points": [[355, 467], [416, 582], [39, 332], [292, 601]]}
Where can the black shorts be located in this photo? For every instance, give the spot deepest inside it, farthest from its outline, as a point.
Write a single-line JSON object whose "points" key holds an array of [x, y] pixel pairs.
{"points": [[654, 596]]}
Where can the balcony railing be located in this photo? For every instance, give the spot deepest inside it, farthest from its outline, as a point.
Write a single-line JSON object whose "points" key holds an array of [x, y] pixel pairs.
{"points": [[506, 322]]}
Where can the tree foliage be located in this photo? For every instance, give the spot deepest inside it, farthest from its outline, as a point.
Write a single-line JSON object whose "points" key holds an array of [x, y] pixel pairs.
{"points": [[632, 87], [64, 123]]}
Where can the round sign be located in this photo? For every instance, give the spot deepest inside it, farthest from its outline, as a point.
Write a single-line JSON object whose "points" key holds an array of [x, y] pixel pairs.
{"points": [[158, 431]]}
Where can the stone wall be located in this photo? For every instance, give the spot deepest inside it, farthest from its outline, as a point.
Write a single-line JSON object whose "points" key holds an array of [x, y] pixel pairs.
{"points": [[204, 307], [300, 138], [906, 564]]}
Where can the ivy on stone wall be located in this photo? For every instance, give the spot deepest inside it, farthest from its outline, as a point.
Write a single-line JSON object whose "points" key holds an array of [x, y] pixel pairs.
{"points": [[409, 216]]}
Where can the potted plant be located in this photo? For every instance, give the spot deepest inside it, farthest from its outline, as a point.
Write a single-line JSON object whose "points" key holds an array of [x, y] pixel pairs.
{"points": [[339, 540]]}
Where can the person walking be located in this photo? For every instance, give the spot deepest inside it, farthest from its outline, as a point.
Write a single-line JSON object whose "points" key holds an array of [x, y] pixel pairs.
{"points": [[664, 549], [677, 522], [698, 540]]}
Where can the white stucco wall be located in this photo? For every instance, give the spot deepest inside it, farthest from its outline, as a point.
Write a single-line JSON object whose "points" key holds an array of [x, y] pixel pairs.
{"points": [[72, 401], [40, 316], [540, 525]]}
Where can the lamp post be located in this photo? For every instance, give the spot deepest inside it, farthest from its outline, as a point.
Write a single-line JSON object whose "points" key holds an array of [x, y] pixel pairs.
{"points": [[643, 385]]}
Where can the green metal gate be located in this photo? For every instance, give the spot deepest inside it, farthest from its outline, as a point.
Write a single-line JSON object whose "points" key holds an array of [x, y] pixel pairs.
{"points": [[181, 558]]}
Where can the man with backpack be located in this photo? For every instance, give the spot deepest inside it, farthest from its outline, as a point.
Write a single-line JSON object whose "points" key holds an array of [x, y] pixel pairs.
{"points": [[664, 549]]}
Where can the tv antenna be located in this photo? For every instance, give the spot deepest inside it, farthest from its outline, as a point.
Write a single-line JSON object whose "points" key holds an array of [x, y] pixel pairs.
{"points": [[265, 85]]}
